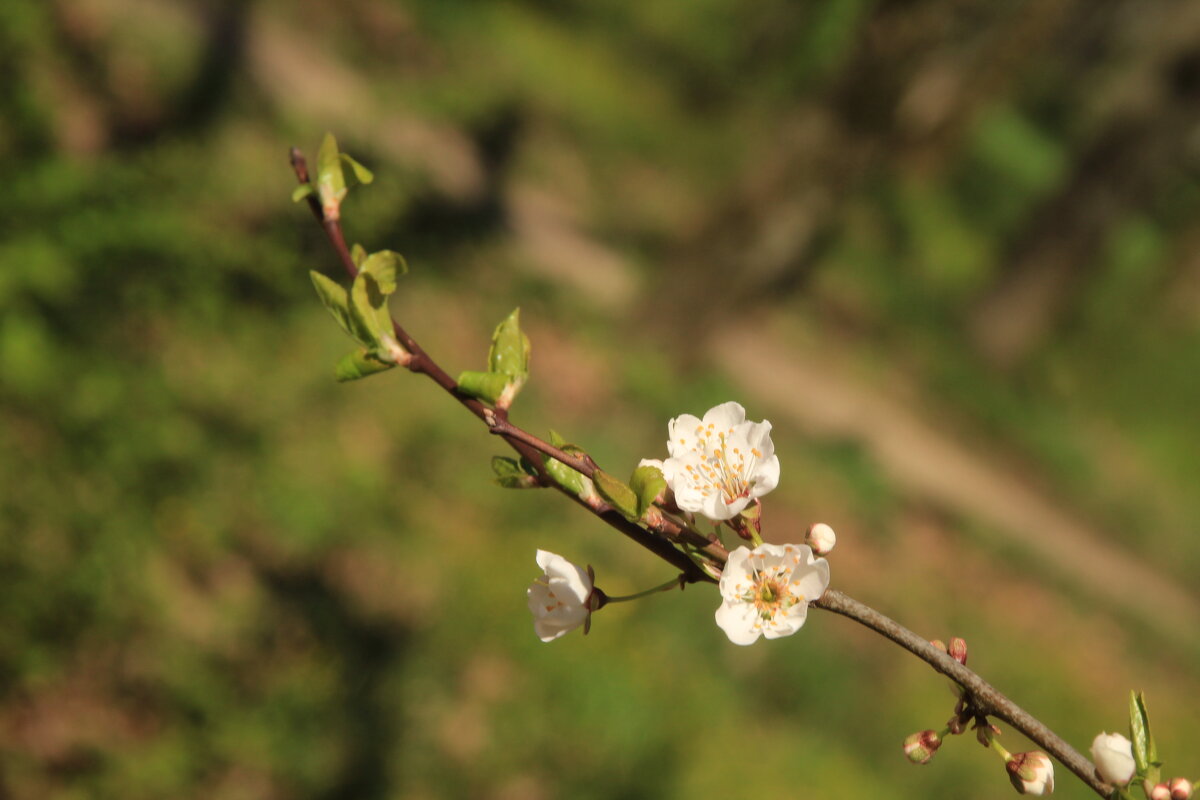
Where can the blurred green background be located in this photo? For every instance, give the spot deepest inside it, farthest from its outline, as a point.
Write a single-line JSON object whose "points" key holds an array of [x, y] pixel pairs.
{"points": [[949, 247]]}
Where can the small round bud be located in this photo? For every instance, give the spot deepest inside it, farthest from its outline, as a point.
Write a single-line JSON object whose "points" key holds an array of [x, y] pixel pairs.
{"points": [[939, 644], [958, 650], [1181, 789], [920, 747], [1159, 791], [1031, 773], [1113, 754], [820, 538]]}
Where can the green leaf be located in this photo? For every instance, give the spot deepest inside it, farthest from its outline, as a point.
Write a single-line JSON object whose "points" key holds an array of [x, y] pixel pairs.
{"points": [[510, 348], [512, 474], [483, 385], [333, 297], [361, 173], [647, 483], [358, 254], [563, 475], [359, 364], [616, 493], [384, 266], [331, 183], [368, 311], [302, 191], [1145, 752]]}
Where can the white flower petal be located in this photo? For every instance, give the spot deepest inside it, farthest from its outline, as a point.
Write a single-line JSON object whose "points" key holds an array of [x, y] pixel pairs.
{"points": [[725, 416], [558, 599], [738, 623]]}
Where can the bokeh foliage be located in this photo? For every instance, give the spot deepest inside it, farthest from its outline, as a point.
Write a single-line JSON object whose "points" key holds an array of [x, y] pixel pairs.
{"points": [[226, 576]]}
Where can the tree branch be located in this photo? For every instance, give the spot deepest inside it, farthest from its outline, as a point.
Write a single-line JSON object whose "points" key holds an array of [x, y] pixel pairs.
{"points": [[985, 698]]}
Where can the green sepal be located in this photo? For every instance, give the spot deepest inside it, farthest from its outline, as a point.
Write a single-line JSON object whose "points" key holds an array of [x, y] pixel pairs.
{"points": [[369, 317], [512, 474], [361, 173], [358, 254], [486, 386], [563, 475], [509, 353], [333, 297], [384, 266], [302, 191], [359, 364], [331, 183], [1145, 752], [616, 493], [647, 483]]}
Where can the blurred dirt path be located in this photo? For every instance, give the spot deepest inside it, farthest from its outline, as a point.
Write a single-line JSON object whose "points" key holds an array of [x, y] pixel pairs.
{"points": [[811, 391]]}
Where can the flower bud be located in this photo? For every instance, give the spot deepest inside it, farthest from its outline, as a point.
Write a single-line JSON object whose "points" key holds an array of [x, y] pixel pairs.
{"points": [[939, 644], [920, 747], [958, 650], [1159, 791], [1031, 773], [1181, 789], [1113, 754], [820, 538]]}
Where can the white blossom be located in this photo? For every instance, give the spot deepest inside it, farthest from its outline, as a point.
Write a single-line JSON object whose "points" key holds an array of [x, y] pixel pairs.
{"points": [[1113, 754], [766, 591], [558, 599], [719, 464]]}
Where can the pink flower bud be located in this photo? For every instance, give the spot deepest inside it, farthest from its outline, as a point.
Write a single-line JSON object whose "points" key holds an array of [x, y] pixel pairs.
{"points": [[1181, 789], [958, 650], [920, 747], [1031, 773], [1160, 792], [820, 538]]}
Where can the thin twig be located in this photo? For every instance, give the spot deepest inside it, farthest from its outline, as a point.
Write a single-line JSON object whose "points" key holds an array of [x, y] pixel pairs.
{"points": [[422, 363], [985, 698]]}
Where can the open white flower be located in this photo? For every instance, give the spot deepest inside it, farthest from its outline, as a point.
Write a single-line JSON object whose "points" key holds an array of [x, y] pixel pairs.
{"points": [[766, 591], [719, 464], [1113, 754], [558, 599]]}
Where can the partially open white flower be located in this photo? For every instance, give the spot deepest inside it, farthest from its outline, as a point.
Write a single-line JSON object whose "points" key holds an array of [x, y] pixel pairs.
{"points": [[1031, 773], [719, 464], [766, 591], [1113, 754], [558, 599]]}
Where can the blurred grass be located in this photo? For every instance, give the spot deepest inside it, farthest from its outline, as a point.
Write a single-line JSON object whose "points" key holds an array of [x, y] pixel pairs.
{"points": [[226, 576]]}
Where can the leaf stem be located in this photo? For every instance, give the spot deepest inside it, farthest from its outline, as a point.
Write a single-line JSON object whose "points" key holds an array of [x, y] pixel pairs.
{"points": [[674, 583]]}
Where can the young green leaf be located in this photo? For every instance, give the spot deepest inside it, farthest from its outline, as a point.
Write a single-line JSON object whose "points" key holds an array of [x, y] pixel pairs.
{"points": [[647, 483], [510, 348], [511, 474], [1145, 752], [333, 297], [302, 191], [368, 310], [358, 254], [361, 173], [487, 386], [384, 266], [563, 475], [331, 183], [358, 364], [616, 493]]}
